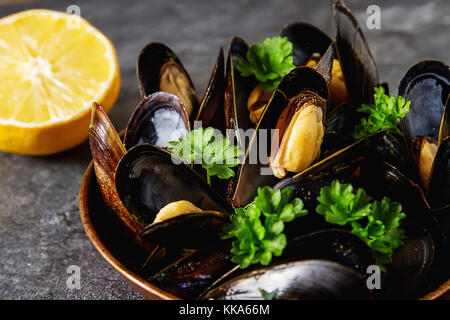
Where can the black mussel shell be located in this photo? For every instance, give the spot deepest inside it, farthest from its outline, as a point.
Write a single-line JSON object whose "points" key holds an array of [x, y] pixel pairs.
{"points": [[331, 244], [190, 230], [357, 63], [325, 64], [159, 118], [444, 130], [107, 149], [339, 127], [306, 40], [427, 86], [237, 91], [148, 178], [152, 61], [439, 191], [306, 279], [192, 274], [253, 172], [211, 112]]}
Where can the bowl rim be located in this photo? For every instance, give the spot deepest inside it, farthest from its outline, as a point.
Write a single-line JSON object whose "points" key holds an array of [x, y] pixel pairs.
{"points": [[139, 283]]}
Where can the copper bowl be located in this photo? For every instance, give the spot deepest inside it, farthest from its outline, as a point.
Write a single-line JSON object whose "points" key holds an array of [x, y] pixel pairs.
{"points": [[122, 254]]}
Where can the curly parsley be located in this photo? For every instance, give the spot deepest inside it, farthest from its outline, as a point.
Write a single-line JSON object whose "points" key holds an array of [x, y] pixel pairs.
{"points": [[377, 222], [210, 149], [268, 62], [383, 115], [382, 230], [258, 229], [339, 205]]}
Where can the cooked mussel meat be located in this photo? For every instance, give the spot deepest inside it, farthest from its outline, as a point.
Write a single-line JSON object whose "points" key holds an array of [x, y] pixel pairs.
{"points": [[301, 130]]}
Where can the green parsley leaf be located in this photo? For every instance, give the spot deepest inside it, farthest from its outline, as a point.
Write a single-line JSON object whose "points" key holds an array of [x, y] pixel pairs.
{"points": [[382, 231], [258, 229], [269, 62], [210, 149], [377, 222], [268, 295], [383, 115], [340, 205]]}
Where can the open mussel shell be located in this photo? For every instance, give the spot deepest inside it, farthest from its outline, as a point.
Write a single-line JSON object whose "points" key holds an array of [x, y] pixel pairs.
{"points": [[306, 279], [148, 178], [107, 150], [189, 230], [427, 86], [192, 274], [211, 112], [306, 40], [237, 91], [159, 69], [158, 119], [357, 63], [254, 172]]}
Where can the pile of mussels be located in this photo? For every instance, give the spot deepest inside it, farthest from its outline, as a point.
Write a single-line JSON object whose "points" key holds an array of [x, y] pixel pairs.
{"points": [[187, 256]]}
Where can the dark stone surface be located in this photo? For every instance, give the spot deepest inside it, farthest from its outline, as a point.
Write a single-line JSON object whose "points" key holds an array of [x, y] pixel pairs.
{"points": [[41, 234]]}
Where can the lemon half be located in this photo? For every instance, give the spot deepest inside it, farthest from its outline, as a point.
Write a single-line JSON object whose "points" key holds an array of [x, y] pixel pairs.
{"points": [[53, 66]]}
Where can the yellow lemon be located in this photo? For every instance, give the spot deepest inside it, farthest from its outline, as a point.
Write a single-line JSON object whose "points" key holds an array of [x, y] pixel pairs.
{"points": [[53, 66]]}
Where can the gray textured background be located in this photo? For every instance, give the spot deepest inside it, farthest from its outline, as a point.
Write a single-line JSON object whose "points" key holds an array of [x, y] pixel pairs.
{"points": [[40, 229]]}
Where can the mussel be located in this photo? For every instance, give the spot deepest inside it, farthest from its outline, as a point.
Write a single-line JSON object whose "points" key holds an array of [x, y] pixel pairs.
{"points": [[149, 178], [297, 112], [304, 279], [107, 150], [159, 69], [357, 63], [427, 125]]}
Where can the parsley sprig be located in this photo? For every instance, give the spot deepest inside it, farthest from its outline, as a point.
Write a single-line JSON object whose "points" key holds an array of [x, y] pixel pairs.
{"points": [[382, 231], [339, 205], [376, 222], [258, 229], [268, 62], [209, 148], [383, 114]]}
